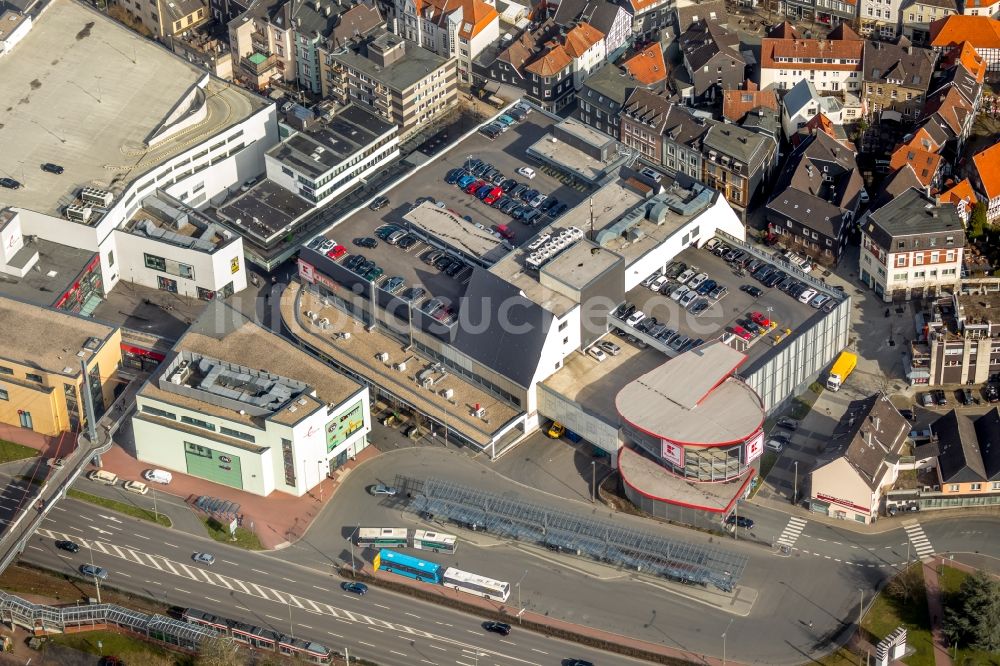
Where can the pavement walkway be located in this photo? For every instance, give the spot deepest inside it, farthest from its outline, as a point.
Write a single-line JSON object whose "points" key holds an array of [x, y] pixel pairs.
{"points": [[277, 519], [936, 608]]}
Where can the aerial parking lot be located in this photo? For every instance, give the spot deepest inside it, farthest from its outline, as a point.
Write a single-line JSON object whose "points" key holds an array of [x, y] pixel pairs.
{"points": [[734, 304], [519, 186]]}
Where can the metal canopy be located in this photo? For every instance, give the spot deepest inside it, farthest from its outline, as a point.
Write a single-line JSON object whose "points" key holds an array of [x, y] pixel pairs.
{"points": [[563, 531]]}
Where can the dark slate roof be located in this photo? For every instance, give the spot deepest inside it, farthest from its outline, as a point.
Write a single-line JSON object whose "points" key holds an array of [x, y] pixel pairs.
{"points": [[988, 433], [511, 343], [703, 41], [742, 145], [763, 120], [912, 218], [611, 82], [713, 10], [598, 13], [876, 438], [819, 184], [959, 460], [961, 79], [908, 66], [649, 108], [895, 184]]}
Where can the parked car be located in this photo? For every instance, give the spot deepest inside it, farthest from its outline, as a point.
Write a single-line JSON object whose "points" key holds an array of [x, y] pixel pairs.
{"points": [[806, 295], [964, 396], [697, 280], [991, 393], [635, 318], [597, 353], [378, 203], [688, 298], [774, 445], [10, 183], [927, 399], [52, 168], [939, 398], [755, 292], [382, 489], [786, 422], [366, 241], [679, 293], [527, 172], [609, 347]]}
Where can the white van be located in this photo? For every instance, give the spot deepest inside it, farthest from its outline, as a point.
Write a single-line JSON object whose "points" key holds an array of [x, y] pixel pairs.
{"points": [[137, 487], [158, 476], [102, 476]]}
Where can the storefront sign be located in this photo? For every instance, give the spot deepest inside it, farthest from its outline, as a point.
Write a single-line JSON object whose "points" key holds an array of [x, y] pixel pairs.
{"points": [[234, 265], [672, 453], [753, 448], [836, 500]]}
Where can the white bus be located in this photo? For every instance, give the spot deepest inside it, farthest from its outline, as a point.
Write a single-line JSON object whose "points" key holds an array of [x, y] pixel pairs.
{"points": [[382, 537], [463, 581], [439, 542]]}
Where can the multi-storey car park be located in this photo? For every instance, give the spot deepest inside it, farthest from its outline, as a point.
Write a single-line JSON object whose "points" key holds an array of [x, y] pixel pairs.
{"points": [[483, 325], [139, 151]]}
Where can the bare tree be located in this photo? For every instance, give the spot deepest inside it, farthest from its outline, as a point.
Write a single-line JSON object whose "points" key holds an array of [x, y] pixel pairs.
{"points": [[218, 652]]}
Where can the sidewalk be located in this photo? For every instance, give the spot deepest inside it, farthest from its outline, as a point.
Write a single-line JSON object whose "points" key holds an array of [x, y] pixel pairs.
{"points": [[278, 519], [936, 609]]}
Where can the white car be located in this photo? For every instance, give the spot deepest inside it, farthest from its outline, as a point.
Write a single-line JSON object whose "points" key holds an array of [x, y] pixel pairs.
{"points": [[773, 445], [687, 275], [597, 353], [678, 293], [635, 317], [819, 300], [659, 282], [710, 245], [527, 172], [687, 298], [327, 245], [652, 277], [137, 487], [807, 295], [539, 200], [697, 280]]}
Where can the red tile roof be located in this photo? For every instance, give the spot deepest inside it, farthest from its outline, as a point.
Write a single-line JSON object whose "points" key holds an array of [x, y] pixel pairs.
{"points": [[961, 192], [988, 165], [648, 66], [581, 38], [952, 108], [737, 103], [476, 16], [982, 32], [966, 54], [925, 164], [848, 49], [550, 64]]}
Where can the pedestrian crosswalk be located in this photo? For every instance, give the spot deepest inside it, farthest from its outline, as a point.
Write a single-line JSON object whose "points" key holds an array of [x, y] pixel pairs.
{"points": [[921, 544], [792, 530]]}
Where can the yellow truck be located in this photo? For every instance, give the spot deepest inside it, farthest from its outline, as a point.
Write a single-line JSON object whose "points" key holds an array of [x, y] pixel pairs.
{"points": [[841, 370]]}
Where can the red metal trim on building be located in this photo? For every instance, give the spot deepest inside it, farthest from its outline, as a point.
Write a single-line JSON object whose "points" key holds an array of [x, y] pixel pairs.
{"points": [[702, 444], [684, 504]]}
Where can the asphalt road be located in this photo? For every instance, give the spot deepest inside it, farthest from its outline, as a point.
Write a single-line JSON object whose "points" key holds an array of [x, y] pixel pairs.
{"points": [[384, 627], [820, 582]]}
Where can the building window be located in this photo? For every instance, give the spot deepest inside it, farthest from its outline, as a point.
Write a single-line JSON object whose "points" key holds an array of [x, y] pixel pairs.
{"points": [[246, 437], [976, 486], [111, 258], [33, 377], [953, 488], [4, 395], [155, 411], [154, 262], [4, 370], [198, 423], [562, 326]]}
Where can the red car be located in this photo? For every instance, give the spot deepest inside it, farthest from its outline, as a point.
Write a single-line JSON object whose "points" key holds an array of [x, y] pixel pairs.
{"points": [[760, 319], [504, 231], [337, 252], [742, 333], [474, 186], [492, 197]]}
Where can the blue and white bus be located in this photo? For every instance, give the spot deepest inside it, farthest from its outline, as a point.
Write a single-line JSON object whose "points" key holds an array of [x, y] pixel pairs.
{"points": [[405, 565]]}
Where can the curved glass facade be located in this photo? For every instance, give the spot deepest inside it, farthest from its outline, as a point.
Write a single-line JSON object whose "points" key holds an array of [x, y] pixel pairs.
{"points": [[698, 463]]}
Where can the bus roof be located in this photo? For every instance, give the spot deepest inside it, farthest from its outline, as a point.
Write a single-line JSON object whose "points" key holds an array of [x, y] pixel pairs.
{"points": [[408, 560]]}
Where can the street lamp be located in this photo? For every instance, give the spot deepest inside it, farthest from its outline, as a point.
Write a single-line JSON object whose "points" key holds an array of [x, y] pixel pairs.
{"points": [[520, 609], [724, 640], [351, 539], [795, 488], [97, 581], [593, 481]]}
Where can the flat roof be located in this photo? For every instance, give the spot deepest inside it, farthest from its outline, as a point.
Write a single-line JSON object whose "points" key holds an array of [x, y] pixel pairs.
{"points": [[359, 354], [579, 264], [654, 481], [57, 267], [609, 203], [416, 65], [23, 326], [160, 219], [459, 233], [318, 149], [222, 333], [692, 399], [570, 158], [264, 211], [87, 93]]}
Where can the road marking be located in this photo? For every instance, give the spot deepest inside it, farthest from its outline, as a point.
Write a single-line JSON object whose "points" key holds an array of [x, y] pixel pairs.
{"points": [[259, 571], [321, 588], [228, 562], [245, 588], [222, 580], [539, 651], [90, 520], [190, 574], [260, 591], [142, 536], [374, 628], [295, 601], [381, 606], [916, 536], [334, 635], [169, 544], [283, 578], [111, 518], [35, 548], [211, 599], [443, 624], [279, 619], [315, 607], [74, 527], [472, 632], [411, 614], [368, 644], [401, 654], [438, 647], [183, 591], [462, 663], [306, 626], [58, 508], [424, 661], [171, 567], [507, 642], [242, 607], [155, 582], [792, 531]]}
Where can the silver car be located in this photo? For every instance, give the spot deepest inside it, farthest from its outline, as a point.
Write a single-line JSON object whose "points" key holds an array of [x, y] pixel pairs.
{"points": [[204, 558]]}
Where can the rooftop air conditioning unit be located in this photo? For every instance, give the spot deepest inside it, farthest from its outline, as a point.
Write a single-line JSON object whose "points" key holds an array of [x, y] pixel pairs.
{"points": [[480, 413], [310, 314], [97, 196], [77, 213], [324, 323], [400, 367], [427, 382], [383, 357], [448, 393]]}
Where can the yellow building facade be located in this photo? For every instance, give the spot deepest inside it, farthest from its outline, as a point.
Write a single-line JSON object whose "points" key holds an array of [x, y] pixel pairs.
{"points": [[41, 378]]}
